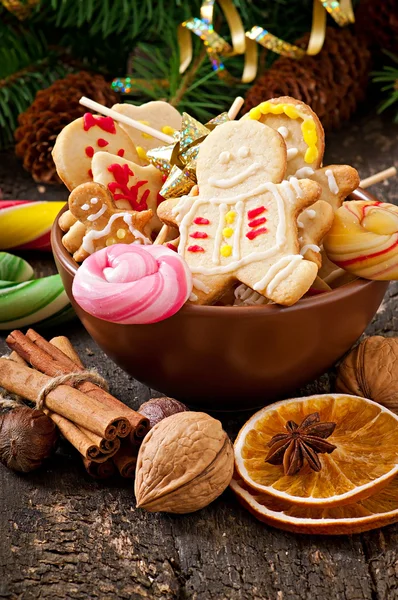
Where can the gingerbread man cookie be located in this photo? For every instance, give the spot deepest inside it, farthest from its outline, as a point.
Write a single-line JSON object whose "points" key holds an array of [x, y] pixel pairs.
{"points": [[93, 207], [314, 223], [243, 226], [132, 186], [300, 128], [157, 114], [337, 182], [80, 140]]}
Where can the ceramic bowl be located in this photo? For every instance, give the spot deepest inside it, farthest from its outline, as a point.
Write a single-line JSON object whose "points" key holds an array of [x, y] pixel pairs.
{"points": [[234, 358]]}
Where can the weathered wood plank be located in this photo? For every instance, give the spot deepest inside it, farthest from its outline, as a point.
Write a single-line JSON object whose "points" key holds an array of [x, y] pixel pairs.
{"points": [[63, 535]]}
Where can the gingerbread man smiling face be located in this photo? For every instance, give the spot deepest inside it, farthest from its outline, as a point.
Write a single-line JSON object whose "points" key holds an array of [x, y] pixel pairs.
{"points": [[242, 225]]}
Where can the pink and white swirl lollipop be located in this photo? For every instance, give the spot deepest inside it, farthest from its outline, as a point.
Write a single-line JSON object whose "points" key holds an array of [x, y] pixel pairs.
{"points": [[133, 284]]}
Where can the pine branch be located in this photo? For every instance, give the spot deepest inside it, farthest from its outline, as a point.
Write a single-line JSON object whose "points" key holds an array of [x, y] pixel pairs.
{"points": [[389, 76]]}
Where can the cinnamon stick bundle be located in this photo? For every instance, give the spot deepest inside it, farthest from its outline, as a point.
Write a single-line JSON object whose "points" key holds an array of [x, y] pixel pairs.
{"points": [[99, 470], [126, 460], [53, 361], [63, 400]]}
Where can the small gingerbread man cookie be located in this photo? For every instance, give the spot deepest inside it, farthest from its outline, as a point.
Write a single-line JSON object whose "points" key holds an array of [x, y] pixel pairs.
{"points": [[157, 114], [132, 186], [300, 128], [80, 140], [93, 207], [337, 182], [314, 223], [242, 226]]}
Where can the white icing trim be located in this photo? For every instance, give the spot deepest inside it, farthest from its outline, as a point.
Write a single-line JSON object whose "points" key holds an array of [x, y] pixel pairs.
{"points": [[283, 131], [296, 186], [238, 229], [277, 273], [98, 214], [232, 181], [332, 183], [292, 153], [311, 213], [313, 247], [193, 297], [300, 224], [92, 235], [94, 201], [303, 173], [223, 209], [224, 157], [85, 207], [199, 285], [243, 152]]}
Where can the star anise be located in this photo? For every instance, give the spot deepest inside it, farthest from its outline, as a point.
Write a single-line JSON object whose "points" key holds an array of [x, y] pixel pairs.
{"points": [[301, 443]]}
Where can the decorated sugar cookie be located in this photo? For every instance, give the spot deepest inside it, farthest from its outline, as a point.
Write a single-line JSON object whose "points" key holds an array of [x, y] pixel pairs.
{"points": [[80, 140], [313, 224], [105, 225], [157, 114], [300, 128], [337, 182], [132, 186], [242, 225], [364, 239]]}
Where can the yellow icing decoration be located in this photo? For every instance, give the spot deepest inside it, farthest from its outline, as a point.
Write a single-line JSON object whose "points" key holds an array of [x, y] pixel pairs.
{"points": [[145, 135], [121, 233], [110, 241], [226, 250], [308, 126], [168, 130], [141, 153], [227, 232], [230, 217]]}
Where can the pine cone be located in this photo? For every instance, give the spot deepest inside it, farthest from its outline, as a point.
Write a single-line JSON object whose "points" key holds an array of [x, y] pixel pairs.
{"points": [[378, 23], [52, 109], [332, 83]]}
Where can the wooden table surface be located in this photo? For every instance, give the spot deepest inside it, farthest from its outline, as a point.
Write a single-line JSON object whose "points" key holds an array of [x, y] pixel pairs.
{"points": [[63, 535]]}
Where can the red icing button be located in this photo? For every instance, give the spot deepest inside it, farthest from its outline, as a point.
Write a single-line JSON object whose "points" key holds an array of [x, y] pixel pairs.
{"points": [[120, 152], [257, 222], [201, 221], [171, 246], [199, 235], [104, 123], [102, 143], [89, 150], [195, 249], [252, 214], [255, 232]]}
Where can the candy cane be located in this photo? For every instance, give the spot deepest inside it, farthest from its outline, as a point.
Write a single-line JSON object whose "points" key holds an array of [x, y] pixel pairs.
{"points": [[26, 225], [26, 301]]}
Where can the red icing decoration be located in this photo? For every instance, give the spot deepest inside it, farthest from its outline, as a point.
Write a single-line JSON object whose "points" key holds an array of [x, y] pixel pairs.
{"points": [[89, 150], [201, 235], [201, 221], [257, 222], [255, 232], [105, 123], [121, 174], [120, 152], [171, 246], [195, 249], [252, 214], [102, 143], [90, 173]]}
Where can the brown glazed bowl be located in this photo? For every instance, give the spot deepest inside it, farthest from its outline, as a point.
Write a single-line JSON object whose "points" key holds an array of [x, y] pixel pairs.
{"points": [[234, 358]]}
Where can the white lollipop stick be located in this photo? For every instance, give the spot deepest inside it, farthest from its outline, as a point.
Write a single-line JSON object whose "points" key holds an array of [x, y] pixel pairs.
{"points": [[235, 107], [103, 110], [377, 177]]}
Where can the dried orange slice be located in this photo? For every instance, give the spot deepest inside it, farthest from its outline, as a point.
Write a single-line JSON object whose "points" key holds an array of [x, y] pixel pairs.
{"points": [[374, 512], [365, 459]]}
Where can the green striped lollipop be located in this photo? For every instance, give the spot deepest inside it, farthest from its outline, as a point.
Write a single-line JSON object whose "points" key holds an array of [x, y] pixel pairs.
{"points": [[26, 301]]}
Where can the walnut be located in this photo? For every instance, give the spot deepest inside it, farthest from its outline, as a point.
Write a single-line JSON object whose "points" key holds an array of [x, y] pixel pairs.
{"points": [[371, 370], [185, 462], [157, 409]]}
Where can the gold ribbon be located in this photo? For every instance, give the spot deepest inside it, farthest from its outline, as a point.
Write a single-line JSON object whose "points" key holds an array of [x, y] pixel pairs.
{"points": [[245, 43]]}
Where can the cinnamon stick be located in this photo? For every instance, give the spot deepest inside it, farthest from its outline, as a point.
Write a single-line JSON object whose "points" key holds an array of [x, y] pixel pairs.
{"points": [[137, 432], [99, 470], [126, 460], [52, 361], [108, 447], [63, 400]]}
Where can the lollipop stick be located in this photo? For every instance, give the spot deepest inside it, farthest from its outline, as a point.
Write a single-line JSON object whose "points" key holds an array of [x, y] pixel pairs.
{"points": [[109, 112], [235, 107], [377, 177]]}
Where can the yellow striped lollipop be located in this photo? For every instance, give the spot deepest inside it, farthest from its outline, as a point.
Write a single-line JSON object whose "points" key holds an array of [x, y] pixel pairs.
{"points": [[363, 239], [26, 225]]}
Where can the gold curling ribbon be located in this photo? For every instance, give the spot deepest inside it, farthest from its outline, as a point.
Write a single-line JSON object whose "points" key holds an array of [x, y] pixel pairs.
{"points": [[217, 48]]}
